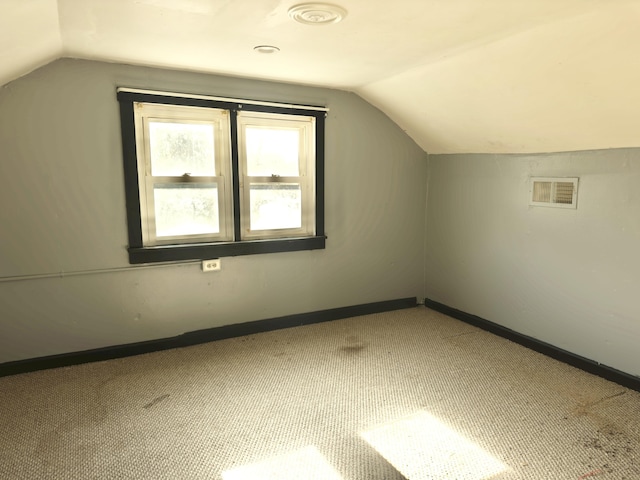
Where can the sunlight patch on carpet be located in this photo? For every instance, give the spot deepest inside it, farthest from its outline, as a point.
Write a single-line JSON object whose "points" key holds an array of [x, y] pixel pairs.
{"points": [[306, 463], [423, 448]]}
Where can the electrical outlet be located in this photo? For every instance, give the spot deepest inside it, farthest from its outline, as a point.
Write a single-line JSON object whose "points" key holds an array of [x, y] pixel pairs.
{"points": [[211, 265]]}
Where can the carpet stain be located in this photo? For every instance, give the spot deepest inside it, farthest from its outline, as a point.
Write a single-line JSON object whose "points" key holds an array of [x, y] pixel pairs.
{"points": [[156, 400], [457, 335], [613, 445], [584, 408], [353, 345]]}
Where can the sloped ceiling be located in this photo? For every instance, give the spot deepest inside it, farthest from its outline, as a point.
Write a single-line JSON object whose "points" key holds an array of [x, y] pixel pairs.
{"points": [[496, 76]]}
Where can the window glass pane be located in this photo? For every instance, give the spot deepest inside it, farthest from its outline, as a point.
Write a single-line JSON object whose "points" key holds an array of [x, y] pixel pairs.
{"points": [[272, 152], [275, 205], [186, 209], [179, 148]]}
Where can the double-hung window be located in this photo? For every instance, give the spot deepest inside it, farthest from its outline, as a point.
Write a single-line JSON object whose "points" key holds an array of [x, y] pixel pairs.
{"points": [[183, 174], [208, 177], [276, 173]]}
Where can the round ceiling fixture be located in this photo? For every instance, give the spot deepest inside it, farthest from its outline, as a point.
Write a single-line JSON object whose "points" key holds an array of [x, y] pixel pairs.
{"points": [[266, 49], [317, 13]]}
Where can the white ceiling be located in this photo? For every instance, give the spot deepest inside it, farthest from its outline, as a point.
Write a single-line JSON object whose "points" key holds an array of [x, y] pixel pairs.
{"points": [[498, 76]]}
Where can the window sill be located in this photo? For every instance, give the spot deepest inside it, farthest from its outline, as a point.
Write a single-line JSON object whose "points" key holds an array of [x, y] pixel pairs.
{"points": [[204, 251]]}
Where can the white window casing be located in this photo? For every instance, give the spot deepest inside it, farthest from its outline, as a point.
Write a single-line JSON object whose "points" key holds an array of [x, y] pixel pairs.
{"points": [[303, 128], [219, 177]]}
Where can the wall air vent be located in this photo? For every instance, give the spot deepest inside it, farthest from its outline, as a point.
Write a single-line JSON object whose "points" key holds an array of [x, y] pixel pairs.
{"points": [[554, 192]]}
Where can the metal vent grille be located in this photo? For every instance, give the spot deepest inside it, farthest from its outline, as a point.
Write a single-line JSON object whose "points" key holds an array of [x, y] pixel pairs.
{"points": [[564, 192], [554, 192]]}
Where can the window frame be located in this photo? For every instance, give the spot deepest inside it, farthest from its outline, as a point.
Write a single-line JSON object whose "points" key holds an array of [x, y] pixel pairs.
{"points": [[158, 113], [305, 165], [161, 252]]}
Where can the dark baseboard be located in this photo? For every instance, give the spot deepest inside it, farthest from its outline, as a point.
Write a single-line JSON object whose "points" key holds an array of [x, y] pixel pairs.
{"points": [[201, 336], [583, 363]]}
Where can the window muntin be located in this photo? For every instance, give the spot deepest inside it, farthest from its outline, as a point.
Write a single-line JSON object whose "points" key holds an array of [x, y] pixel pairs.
{"points": [[276, 165]]}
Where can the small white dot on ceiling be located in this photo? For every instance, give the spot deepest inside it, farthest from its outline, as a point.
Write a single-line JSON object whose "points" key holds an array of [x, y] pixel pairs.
{"points": [[266, 49], [317, 13]]}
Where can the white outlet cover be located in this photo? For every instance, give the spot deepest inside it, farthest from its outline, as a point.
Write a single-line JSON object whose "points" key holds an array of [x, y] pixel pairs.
{"points": [[211, 265]]}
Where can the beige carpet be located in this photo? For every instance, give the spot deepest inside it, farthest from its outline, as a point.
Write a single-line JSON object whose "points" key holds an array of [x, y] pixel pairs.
{"points": [[409, 394]]}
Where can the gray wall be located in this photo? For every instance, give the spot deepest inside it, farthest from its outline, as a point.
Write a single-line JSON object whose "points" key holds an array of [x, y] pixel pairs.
{"points": [[62, 211], [567, 277]]}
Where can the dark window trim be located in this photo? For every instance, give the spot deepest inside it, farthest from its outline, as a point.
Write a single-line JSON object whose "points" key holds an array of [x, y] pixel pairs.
{"points": [[201, 251], [235, 174]]}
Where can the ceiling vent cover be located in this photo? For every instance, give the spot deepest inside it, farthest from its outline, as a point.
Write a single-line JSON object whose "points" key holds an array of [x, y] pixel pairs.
{"points": [[554, 192], [317, 13]]}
